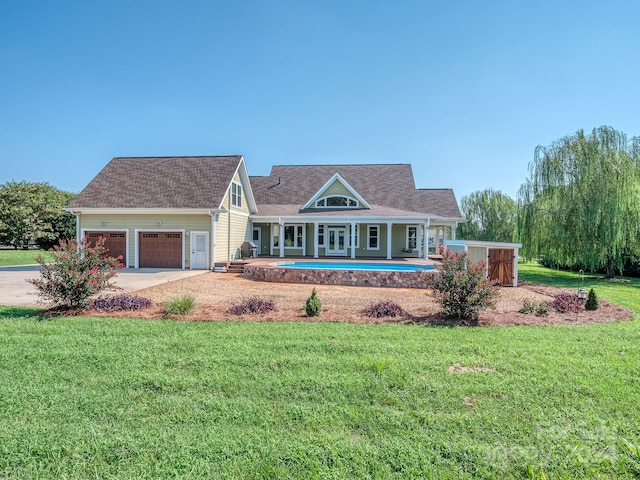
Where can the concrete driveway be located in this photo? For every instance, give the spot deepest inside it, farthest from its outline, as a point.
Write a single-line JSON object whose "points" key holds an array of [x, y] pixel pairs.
{"points": [[15, 291]]}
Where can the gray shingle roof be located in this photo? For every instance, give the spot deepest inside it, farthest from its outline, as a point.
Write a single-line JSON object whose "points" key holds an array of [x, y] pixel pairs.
{"points": [[388, 188], [159, 182]]}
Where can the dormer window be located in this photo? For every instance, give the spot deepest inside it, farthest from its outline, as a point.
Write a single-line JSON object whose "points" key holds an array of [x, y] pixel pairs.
{"points": [[337, 201], [236, 195]]}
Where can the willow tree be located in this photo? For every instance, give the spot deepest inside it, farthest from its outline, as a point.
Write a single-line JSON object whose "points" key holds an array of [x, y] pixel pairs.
{"points": [[491, 215], [580, 204]]}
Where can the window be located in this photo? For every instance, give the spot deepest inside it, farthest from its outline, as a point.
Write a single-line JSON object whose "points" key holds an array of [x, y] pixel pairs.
{"points": [[337, 201], [321, 235], [293, 236], [412, 237], [236, 195], [373, 234], [276, 235]]}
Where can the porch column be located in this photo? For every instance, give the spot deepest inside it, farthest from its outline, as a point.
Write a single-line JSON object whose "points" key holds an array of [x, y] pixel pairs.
{"points": [[419, 243], [353, 239], [316, 229], [426, 240], [389, 240], [304, 239], [453, 231], [281, 240]]}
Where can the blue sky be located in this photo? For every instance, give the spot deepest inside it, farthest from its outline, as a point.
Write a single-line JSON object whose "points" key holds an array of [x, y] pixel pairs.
{"points": [[462, 90]]}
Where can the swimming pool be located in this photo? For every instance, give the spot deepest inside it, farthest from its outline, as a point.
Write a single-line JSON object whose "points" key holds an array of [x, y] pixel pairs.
{"points": [[369, 266]]}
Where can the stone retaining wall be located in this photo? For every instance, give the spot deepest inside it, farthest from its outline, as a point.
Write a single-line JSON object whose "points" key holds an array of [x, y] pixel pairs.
{"points": [[359, 278]]}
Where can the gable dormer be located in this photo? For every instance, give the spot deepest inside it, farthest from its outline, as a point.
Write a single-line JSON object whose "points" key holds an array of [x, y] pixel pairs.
{"points": [[336, 193]]}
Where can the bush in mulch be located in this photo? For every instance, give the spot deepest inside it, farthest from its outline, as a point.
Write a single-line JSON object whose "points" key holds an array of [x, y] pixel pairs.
{"points": [[183, 305], [117, 303], [253, 305], [566, 303], [592, 301], [384, 309], [539, 309]]}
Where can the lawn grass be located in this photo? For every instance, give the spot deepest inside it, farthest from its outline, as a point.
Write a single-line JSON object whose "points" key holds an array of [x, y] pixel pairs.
{"points": [[117, 398], [623, 291], [22, 257]]}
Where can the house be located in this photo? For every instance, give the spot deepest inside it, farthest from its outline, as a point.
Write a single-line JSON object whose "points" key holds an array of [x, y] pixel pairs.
{"points": [[191, 212]]}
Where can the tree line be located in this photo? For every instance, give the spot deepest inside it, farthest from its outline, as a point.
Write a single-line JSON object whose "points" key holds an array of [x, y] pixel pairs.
{"points": [[579, 207], [32, 214]]}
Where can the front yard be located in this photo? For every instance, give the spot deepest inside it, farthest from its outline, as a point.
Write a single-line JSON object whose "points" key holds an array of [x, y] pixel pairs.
{"points": [[131, 398]]}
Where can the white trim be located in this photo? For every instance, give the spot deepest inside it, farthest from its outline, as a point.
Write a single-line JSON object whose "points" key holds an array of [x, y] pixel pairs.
{"points": [[295, 237], [246, 184], [240, 214], [206, 249], [83, 232], [336, 176], [406, 238], [377, 227], [231, 194], [212, 258], [140, 211], [136, 256], [259, 244]]}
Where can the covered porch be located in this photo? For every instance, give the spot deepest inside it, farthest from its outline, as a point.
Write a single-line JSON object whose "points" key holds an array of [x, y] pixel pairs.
{"points": [[373, 238]]}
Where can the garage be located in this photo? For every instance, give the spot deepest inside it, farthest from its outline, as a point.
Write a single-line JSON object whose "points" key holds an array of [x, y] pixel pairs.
{"points": [[114, 242], [160, 249]]}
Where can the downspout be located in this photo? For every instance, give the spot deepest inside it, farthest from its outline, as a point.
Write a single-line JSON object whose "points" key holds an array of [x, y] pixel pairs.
{"points": [[212, 262]]}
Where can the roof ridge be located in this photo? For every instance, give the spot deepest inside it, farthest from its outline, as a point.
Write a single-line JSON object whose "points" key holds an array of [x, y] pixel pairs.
{"points": [[183, 156]]}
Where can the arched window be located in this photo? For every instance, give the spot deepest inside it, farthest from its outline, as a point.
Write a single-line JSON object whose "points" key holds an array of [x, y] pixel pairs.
{"points": [[333, 201]]}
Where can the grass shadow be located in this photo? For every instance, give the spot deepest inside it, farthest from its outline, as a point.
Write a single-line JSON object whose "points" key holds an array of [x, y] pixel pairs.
{"points": [[20, 312]]}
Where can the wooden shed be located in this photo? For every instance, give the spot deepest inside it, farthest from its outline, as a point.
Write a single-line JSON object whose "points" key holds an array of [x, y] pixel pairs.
{"points": [[501, 258]]}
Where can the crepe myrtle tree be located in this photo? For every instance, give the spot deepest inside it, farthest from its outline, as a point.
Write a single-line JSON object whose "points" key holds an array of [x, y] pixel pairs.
{"points": [[78, 271], [461, 286], [580, 205]]}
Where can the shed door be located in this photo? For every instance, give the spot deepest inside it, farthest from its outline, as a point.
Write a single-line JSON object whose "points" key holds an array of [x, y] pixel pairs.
{"points": [[114, 242], [501, 266], [160, 249]]}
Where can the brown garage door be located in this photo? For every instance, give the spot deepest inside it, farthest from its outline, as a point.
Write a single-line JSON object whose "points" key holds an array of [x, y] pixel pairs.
{"points": [[501, 265], [114, 242], [160, 249]]}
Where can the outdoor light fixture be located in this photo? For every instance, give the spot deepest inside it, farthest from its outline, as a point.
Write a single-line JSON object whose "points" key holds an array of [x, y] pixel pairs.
{"points": [[104, 222], [159, 222]]}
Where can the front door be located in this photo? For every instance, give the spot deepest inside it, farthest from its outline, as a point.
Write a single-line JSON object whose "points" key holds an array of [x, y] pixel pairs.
{"points": [[199, 250], [257, 239], [337, 244]]}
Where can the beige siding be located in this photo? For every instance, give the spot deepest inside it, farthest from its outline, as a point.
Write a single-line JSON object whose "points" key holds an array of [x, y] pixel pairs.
{"points": [[227, 198], [477, 254], [336, 188], [232, 230], [200, 223]]}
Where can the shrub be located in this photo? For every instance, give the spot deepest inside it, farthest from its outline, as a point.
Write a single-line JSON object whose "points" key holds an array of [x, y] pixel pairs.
{"points": [[540, 309], [77, 272], [253, 305], [460, 286], [384, 309], [566, 302], [118, 303], [592, 301], [180, 305], [313, 305]]}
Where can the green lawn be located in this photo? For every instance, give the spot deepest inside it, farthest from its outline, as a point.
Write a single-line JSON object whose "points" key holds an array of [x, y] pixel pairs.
{"points": [[21, 257], [113, 398], [623, 291]]}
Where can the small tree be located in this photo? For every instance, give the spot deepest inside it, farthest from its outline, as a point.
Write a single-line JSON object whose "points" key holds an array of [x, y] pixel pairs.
{"points": [[313, 306], [592, 301], [77, 272], [460, 286]]}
